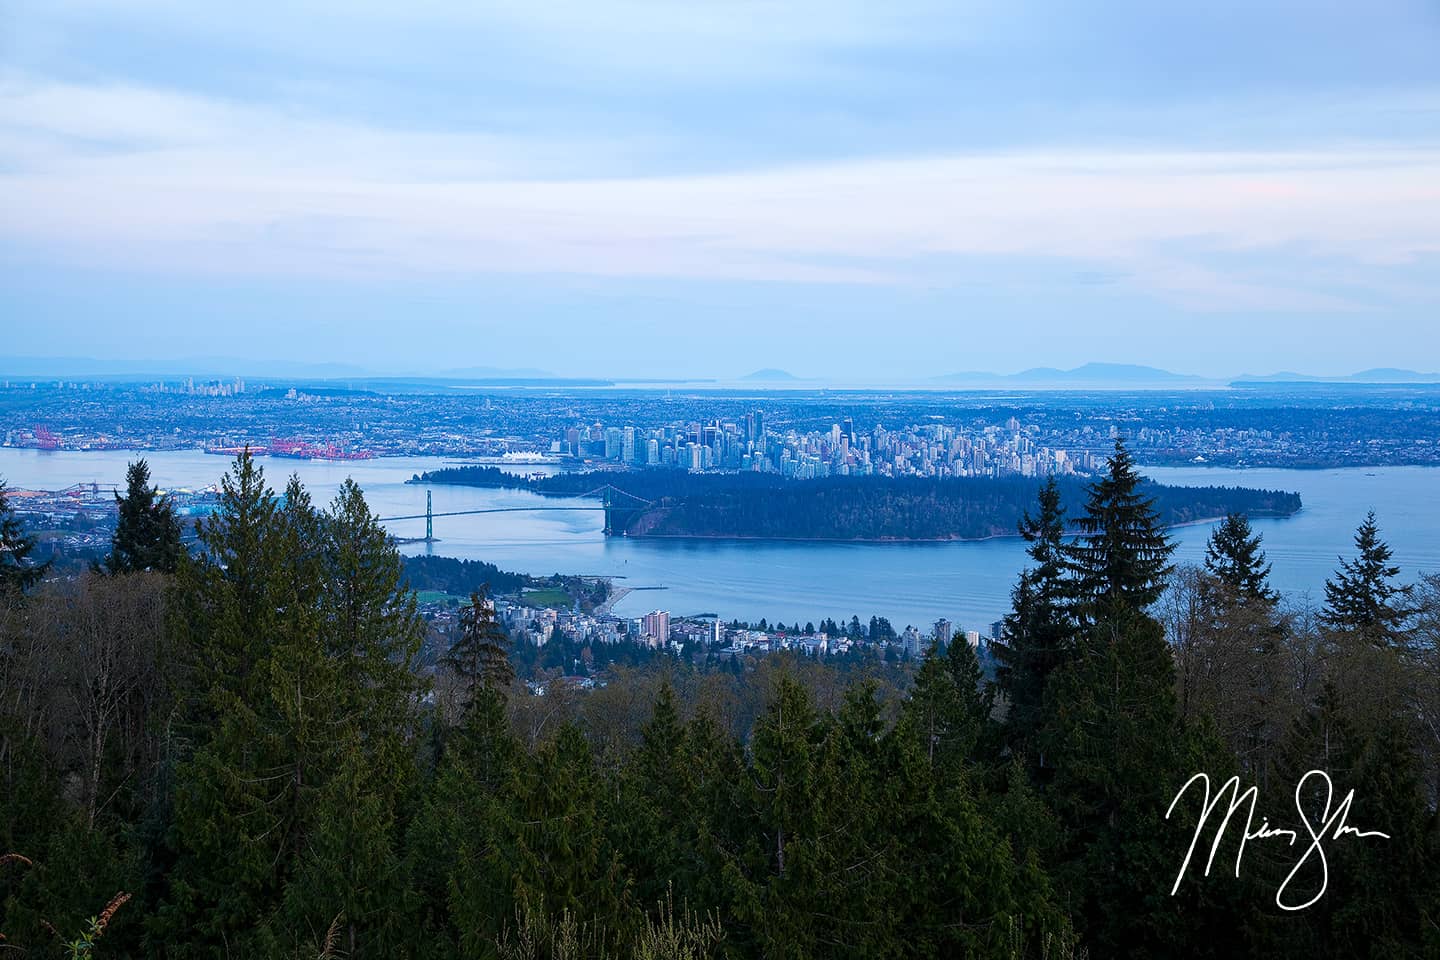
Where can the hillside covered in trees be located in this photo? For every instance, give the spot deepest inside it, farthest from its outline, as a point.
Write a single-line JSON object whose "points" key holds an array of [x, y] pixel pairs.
{"points": [[234, 753], [767, 506]]}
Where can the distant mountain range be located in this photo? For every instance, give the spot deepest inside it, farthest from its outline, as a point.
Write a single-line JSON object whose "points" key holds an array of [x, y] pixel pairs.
{"points": [[1088, 376]]}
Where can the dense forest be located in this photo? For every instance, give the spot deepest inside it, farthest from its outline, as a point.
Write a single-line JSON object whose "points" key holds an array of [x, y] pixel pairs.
{"points": [[230, 752], [460, 577], [767, 506]]}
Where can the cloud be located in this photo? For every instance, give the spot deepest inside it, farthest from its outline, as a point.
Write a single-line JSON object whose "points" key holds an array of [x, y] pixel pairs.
{"points": [[135, 177]]}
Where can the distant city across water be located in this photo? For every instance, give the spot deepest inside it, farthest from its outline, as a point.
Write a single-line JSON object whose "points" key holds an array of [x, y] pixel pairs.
{"points": [[910, 583]]}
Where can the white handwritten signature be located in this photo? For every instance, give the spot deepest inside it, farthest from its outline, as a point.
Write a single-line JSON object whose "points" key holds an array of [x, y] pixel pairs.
{"points": [[1332, 826]]}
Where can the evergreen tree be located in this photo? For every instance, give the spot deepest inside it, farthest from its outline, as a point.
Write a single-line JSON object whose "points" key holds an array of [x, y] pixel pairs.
{"points": [[1381, 895], [1123, 555], [783, 823], [1233, 558], [950, 710], [147, 533], [1040, 630], [1230, 644], [17, 571], [234, 804], [1111, 734], [460, 877], [301, 638], [1362, 599], [478, 657], [561, 858], [368, 635]]}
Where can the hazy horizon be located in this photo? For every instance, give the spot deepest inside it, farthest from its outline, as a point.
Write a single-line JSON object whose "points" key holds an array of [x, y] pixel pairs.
{"points": [[1089, 373]]}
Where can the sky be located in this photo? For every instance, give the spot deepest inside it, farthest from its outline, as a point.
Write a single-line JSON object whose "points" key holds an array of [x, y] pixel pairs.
{"points": [[839, 188]]}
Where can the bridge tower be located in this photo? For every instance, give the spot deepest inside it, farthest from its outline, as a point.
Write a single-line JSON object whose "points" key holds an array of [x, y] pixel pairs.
{"points": [[429, 519], [605, 500]]}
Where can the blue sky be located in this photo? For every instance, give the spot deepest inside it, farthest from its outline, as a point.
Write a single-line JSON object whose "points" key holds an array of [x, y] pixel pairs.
{"points": [[842, 189]]}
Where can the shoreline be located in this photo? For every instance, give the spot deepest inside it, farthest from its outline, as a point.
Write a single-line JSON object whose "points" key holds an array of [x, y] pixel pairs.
{"points": [[884, 540]]}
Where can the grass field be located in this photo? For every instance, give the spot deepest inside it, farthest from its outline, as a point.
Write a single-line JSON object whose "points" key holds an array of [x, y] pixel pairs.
{"points": [[548, 597], [437, 596]]}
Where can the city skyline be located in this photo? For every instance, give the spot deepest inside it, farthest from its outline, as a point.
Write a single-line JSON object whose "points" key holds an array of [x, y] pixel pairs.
{"points": [[847, 191]]}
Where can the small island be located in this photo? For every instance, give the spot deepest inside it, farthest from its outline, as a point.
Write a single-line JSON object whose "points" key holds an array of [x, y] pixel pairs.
{"points": [[760, 506]]}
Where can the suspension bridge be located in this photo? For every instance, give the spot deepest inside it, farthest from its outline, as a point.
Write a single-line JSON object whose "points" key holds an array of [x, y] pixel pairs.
{"points": [[612, 500]]}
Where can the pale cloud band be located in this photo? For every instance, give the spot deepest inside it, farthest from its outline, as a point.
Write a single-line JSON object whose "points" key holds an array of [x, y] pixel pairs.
{"points": [[139, 178]]}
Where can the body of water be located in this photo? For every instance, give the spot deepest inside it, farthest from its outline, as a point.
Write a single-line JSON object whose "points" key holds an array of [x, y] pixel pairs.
{"points": [[969, 583]]}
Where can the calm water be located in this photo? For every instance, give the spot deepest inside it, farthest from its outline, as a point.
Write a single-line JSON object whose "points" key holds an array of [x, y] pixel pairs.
{"points": [[909, 583]]}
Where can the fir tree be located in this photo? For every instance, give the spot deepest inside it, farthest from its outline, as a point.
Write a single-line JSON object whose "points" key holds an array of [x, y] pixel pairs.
{"points": [[478, 657], [657, 794], [1123, 555], [236, 792], [1362, 599], [1039, 632], [1233, 558], [1111, 732], [147, 534], [357, 662], [287, 810], [951, 711], [1231, 644], [17, 571]]}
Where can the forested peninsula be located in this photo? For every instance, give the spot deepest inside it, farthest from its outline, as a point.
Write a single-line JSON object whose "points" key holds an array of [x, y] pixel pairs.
{"points": [[675, 503]]}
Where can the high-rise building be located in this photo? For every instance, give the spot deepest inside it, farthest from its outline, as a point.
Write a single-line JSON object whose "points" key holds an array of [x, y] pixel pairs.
{"points": [[944, 630], [627, 445], [656, 627]]}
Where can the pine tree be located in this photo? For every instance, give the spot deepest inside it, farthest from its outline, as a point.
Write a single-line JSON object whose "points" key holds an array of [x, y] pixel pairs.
{"points": [[478, 657], [1123, 555], [1234, 559], [1362, 599], [147, 534], [1039, 632], [17, 571]]}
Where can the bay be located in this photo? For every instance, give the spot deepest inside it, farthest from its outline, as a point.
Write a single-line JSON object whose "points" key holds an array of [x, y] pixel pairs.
{"points": [[917, 583]]}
